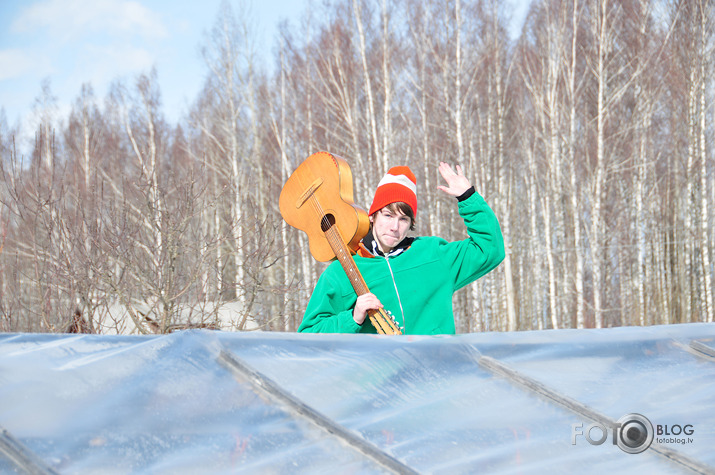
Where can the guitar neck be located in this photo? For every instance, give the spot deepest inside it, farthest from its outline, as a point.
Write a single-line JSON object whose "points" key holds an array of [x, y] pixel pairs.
{"points": [[343, 254]]}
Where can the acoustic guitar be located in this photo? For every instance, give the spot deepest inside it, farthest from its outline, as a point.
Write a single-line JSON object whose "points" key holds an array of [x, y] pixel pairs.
{"points": [[318, 199]]}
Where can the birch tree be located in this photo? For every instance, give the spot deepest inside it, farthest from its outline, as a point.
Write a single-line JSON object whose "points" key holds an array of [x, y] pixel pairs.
{"points": [[230, 79], [705, 30], [574, 85], [138, 230], [607, 63], [541, 74], [590, 135]]}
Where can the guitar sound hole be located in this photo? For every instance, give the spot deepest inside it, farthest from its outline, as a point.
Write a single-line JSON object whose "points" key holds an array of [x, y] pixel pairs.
{"points": [[327, 222]]}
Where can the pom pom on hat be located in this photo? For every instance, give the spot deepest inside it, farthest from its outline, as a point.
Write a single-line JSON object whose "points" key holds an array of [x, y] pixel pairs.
{"points": [[399, 185]]}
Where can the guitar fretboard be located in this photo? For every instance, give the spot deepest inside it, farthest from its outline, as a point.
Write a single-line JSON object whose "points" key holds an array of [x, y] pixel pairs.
{"points": [[343, 254]]}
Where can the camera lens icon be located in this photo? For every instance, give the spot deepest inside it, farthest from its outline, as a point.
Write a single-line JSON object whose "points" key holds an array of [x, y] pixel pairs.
{"points": [[635, 433]]}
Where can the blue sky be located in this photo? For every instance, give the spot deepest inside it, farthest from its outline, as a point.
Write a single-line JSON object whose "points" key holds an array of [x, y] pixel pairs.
{"points": [[71, 42]]}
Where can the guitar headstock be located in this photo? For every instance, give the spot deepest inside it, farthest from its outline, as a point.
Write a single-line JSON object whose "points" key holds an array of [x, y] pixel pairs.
{"points": [[384, 322]]}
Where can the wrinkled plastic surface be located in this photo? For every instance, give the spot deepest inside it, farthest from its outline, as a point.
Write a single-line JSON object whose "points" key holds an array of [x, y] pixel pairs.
{"points": [[165, 404]]}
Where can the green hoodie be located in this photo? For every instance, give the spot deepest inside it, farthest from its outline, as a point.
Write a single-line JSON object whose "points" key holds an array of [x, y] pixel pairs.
{"points": [[422, 279]]}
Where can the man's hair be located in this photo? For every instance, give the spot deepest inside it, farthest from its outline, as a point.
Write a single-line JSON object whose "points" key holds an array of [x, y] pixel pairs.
{"points": [[403, 208]]}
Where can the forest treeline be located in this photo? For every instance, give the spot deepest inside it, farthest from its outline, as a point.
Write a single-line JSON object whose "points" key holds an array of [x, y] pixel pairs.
{"points": [[589, 131]]}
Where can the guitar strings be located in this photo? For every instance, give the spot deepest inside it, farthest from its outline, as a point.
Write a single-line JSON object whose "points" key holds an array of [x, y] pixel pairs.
{"points": [[331, 237]]}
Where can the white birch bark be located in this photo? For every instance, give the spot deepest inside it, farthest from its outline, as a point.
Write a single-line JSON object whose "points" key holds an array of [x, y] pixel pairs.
{"points": [[285, 173], [387, 136], [705, 244], [688, 201], [643, 113], [457, 113], [503, 193], [233, 162], [641, 220], [535, 252], [597, 240], [371, 117], [553, 225], [575, 189]]}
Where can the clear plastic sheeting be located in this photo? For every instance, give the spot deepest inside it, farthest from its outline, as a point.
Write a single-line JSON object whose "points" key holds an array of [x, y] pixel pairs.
{"points": [[215, 402]]}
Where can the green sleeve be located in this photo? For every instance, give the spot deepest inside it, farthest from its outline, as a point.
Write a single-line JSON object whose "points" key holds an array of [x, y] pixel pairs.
{"points": [[329, 310], [471, 258]]}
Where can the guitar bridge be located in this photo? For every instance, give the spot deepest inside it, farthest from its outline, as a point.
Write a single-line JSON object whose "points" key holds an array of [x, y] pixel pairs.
{"points": [[308, 193]]}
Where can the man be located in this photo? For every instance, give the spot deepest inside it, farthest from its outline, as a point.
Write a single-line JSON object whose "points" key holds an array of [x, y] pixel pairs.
{"points": [[412, 278]]}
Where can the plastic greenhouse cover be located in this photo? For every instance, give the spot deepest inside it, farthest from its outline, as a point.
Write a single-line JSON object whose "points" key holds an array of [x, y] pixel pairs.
{"points": [[215, 402]]}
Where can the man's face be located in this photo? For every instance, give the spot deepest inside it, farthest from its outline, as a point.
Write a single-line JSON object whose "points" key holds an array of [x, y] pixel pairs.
{"points": [[389, 228]]}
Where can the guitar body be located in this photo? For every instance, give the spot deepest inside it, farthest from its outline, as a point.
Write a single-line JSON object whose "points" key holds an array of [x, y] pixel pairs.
{"points": [[321, 189]]}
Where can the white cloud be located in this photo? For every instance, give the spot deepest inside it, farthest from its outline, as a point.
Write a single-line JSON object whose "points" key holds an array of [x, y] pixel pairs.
{"points": [[104, 63], [66, 19], [15, 63]]}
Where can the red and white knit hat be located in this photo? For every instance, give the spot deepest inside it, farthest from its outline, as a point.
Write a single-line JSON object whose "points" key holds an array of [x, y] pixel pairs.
{"points": [[399, 185]]}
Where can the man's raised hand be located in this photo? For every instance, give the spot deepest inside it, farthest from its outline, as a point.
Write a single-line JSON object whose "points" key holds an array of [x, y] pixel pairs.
{"points": [[457, 183]]}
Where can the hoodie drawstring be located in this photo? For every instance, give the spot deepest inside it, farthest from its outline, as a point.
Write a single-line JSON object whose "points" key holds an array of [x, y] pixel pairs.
{"points": [[396, 292]]}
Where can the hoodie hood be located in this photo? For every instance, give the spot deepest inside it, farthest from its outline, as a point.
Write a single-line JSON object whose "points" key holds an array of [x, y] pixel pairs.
{"points": [[369, 247]]}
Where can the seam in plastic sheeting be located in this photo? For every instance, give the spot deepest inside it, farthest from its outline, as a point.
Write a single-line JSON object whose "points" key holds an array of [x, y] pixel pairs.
{"points": [[532, 385], [272, 390]]}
